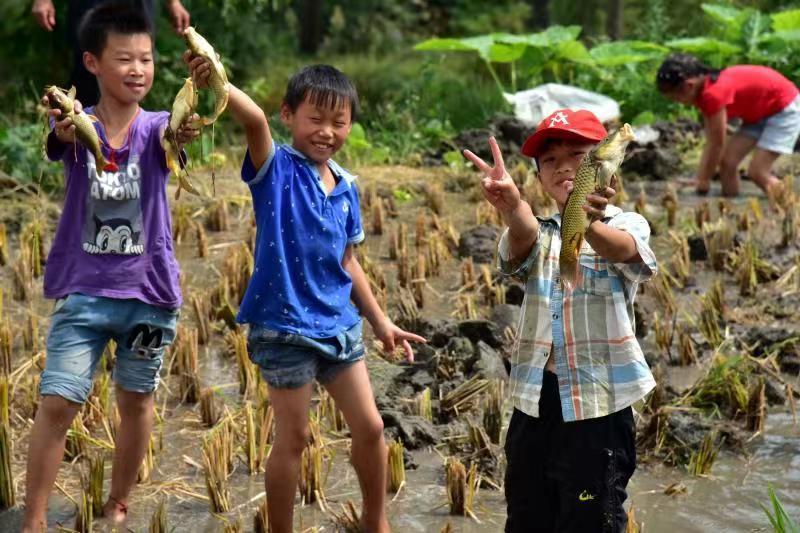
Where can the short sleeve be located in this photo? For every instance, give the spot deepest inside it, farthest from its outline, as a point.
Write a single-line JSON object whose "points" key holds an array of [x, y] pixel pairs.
{"points": [[714, 97], [635, 225], [509, 267], [252, 175], [353, 226]]}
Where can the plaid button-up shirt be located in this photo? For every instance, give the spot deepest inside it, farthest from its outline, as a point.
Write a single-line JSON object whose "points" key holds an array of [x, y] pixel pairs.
{"points": [[600, 365]]}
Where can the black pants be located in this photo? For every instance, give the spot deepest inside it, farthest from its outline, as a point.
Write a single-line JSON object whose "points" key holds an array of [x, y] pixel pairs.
{"points": [[567, 476]]}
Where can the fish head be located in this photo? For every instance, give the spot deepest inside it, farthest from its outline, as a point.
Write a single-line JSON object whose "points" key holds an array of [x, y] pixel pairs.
{"points": [[611, 150], [58, 99], [198, 44]]}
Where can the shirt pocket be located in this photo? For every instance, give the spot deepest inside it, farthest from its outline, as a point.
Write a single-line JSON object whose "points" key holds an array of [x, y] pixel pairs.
{"points": [[596, 278]]}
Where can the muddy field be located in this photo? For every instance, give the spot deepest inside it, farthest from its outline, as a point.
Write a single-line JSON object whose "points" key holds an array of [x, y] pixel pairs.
{"points": [[719, 326]]}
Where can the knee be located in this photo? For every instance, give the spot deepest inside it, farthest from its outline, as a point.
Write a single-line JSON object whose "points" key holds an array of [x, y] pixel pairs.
{"points": [[370, 431], [57, 412], [292, 439]]}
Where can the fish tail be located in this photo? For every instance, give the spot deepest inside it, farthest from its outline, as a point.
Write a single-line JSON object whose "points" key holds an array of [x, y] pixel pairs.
{"points": [[568, 263]]}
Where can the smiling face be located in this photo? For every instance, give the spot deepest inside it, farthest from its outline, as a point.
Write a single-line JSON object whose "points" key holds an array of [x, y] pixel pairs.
{"points": [[317, 131], [558, 162], [124, 69]]}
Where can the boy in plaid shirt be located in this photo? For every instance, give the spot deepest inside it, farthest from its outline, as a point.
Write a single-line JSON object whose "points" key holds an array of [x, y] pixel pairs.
{"points": [[577, 367]]}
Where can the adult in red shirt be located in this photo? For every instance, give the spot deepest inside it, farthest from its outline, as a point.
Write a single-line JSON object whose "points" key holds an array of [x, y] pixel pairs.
{"points": [[767, 103]]}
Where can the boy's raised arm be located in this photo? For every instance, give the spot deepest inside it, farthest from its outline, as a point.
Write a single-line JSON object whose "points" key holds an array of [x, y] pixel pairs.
{"points": [[243, 109], [256, 128], [500, 190]]}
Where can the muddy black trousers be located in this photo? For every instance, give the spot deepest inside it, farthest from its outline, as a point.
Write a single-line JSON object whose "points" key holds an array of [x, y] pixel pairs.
{"points": [[567, 476]]}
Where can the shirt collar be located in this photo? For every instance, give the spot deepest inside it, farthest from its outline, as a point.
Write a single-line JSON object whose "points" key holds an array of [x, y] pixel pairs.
{"points": [[340, 172]]}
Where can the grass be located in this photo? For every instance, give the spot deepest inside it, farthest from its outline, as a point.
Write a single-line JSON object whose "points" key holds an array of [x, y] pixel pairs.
{"points": [[463, 397], [216, 467], [7, 498], [493, 411], [421, 405], [94, 483], [311, 481], [703, 458], [3, 245], [261, 518], [756, 413], [397, 470], [236, 342], [210, 411], [779, 519], [158, 522], [724, 388], [84, 519]]}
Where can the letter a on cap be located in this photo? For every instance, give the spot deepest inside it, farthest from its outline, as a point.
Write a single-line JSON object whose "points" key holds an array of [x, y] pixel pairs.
{"points": [[559, 118]]}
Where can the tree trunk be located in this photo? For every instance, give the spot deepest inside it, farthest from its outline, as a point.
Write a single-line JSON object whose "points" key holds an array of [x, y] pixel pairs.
{"points": [[614, 19], [309, 14], [540, 16]]}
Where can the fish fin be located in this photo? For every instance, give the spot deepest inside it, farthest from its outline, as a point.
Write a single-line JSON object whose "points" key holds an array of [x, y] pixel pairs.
{"points": [[72, 92], [110, 166]]}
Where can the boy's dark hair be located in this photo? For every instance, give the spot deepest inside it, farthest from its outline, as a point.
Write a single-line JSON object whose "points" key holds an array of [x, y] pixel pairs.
{"points": [[323, 86], [111, 17], [677, 68]]}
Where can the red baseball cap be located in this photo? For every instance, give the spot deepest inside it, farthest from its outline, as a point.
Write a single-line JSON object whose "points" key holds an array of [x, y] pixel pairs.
{"points": [[565, 124]]}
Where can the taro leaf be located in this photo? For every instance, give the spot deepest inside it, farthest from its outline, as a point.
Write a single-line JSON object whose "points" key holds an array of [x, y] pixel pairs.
{"points": [[724, 14], [625, 52], [506, 53], [574, 51], [753, 28], [553, 36], [704, 45], [786, 20], [781, 37]]}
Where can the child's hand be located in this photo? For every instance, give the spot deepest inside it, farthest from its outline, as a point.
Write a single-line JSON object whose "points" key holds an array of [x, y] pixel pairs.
{"points": [[199, 68], [390, 336], [188, 131], [497, 186], [63, 127], [597, 201]]}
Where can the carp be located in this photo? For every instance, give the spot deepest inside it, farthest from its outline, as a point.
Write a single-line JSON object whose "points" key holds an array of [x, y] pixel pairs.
{"points": [[182, 109], [218, 80], [84, 128], [593, 174]]}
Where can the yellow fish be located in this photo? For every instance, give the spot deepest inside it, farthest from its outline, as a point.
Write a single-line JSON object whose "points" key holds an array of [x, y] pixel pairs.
{"points": [[594, 174], [182, 109]]}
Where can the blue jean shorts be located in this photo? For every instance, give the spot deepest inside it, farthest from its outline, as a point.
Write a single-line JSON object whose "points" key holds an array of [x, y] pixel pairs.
{"points": [[777, 133], [289, 361], [80, 328]]}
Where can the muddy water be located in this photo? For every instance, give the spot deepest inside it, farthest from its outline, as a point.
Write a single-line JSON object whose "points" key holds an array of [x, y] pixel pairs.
{"points": [[728, 500]]}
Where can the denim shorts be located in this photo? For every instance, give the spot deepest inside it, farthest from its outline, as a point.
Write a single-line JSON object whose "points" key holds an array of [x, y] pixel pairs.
{"points": [[289, 361], [80, 328], [777, 133]]}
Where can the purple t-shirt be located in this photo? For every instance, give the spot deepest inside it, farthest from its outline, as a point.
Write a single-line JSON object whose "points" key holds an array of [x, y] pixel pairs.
{"points": [[114, 238]]}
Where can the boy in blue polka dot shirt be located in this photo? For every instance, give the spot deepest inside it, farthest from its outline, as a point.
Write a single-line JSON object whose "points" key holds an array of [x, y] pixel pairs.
{"points": [[303, 325]]}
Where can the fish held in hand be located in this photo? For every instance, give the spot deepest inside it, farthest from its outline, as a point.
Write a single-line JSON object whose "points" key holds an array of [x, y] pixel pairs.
{"points": [[218, 79], [593, 174], [183, 108], [85, 133]]}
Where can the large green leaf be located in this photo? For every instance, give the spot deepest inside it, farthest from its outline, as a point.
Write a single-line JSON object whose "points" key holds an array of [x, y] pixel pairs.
{"points": [[506, 53], [720, 13], [753, 28], [784, 36], [553, 36], [786, 20], [574, 51], [625, 52], [704, 45]]}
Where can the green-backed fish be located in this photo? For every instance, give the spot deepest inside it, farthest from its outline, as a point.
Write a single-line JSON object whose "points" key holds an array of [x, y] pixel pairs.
{"points": [[84, 129], [594, 174], [182, 109], [218, 80]]}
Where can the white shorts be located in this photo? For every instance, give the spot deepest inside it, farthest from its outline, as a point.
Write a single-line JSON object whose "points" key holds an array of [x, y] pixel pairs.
{"points": [[777, 133]]}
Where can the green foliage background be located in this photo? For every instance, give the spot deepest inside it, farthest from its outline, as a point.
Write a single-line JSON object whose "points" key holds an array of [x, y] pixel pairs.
{"points": [[413, 101]]}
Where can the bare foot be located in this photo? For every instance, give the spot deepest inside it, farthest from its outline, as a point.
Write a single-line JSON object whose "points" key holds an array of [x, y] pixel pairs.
{"points": [[115, 511], [775, 193], [700, 188]]}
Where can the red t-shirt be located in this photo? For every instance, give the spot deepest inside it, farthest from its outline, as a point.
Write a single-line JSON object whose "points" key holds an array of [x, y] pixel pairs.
{"points": [[747, 91]]}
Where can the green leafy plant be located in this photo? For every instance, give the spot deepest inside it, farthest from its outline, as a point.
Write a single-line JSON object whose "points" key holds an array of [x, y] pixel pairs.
{"points": [[779, 519]]}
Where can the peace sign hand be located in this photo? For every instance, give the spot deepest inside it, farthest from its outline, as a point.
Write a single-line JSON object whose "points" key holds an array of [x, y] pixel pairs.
{"points": [[497, 185]]}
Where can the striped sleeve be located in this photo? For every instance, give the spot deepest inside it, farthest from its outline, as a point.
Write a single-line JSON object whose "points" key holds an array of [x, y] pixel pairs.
{"points": [[636, 225]]}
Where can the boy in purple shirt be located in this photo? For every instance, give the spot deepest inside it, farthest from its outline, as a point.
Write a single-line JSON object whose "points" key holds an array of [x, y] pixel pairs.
{"points": [[111, 269]]}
